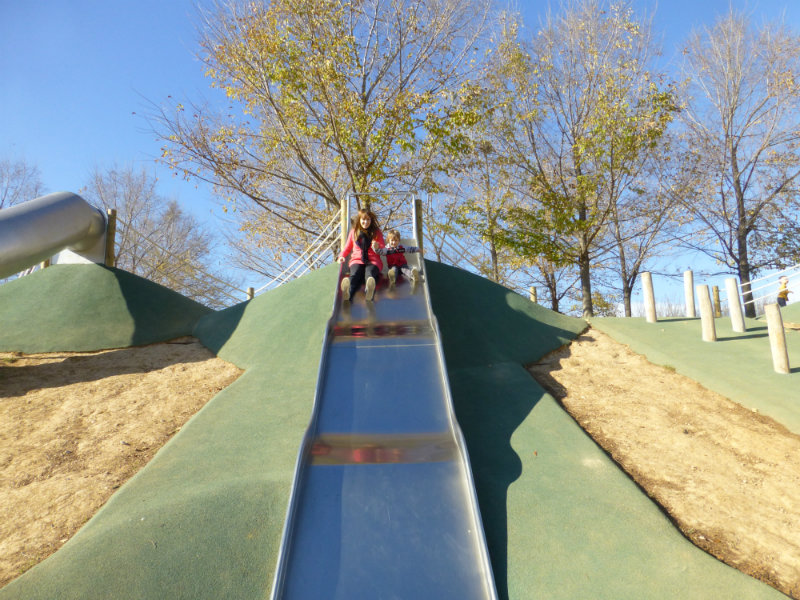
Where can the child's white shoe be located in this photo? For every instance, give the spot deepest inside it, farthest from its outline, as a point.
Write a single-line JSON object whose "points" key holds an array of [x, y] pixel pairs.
{"points": [[345, 289], [370, 289], [414, 277], [392, 278]]}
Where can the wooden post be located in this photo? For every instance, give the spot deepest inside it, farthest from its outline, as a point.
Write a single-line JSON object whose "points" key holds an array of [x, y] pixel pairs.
{"points": [[688, 293], [706, 314], [532, 291], [649, 298], [715, 298], [734, 305], [777, 338], [418, 222], [251, 293], [111, 237]]}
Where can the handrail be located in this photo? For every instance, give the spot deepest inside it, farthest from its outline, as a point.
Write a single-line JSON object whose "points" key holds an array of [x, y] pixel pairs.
{"points": [[771, 279], [315, 248]]}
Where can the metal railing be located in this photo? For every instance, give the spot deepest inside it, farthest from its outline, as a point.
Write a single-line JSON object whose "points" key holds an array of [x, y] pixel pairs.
{"points": [[313, 256]]}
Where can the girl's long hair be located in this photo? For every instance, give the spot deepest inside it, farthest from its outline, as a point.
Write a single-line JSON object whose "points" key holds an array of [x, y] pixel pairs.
{"points": [[373, 223]]}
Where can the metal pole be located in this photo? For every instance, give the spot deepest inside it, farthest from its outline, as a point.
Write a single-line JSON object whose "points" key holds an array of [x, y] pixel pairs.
{"points": [[417, 214], [344, 211]]}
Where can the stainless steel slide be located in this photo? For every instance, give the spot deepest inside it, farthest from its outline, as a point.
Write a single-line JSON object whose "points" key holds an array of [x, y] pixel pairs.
{"points": [[383, 504], [36, 230]]}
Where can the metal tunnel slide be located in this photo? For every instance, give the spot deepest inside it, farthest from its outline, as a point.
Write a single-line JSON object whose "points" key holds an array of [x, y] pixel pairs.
{"points": [[36, 230], [383, 503]]}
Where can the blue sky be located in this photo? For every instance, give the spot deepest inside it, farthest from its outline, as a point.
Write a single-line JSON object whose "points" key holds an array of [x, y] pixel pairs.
{"points": [[76, 76]]}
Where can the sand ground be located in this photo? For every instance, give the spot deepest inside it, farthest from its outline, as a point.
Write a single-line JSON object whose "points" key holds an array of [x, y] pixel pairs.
{"points": [[75, 426], [727, 476]]}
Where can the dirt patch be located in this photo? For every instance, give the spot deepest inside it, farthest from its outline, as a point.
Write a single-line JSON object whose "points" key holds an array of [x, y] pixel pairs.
{"points": [[75, 426], [726, 475]]}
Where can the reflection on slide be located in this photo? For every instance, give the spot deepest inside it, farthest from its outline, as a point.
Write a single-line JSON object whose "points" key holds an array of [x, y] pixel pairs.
{"points": [[383, 504]]}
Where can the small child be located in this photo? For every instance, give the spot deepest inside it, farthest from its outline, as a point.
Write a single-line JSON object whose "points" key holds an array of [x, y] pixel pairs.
{"points": [[397, 262], [783, 290]]}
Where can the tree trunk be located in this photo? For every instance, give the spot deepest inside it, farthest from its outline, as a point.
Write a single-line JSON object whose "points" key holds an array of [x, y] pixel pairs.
{"points": [[743, 270], [551, 286], [742, 258], [493, 255], [586, 283], [626, 300]]}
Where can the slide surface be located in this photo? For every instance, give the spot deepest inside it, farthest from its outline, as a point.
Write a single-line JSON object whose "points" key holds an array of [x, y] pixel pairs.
{"points": [[383, 504]]}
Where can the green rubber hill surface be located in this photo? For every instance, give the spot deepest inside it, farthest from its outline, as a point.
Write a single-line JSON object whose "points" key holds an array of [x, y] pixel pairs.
{"points": [[203, 519], [562, 521], [791, 313], [90, 307]]}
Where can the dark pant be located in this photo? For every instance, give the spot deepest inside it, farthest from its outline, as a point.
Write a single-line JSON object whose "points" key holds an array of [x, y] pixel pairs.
{"points": [[360, 273], [404, 270], [781, 301]]}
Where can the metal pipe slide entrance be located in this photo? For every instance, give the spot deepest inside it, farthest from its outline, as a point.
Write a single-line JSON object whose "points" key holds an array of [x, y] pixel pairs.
{"points": [[36, 230], [383, 502]]}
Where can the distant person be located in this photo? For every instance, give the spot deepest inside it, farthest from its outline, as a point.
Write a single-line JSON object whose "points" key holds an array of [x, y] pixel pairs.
{"points": [[364, 241], [396, 260], [783, 290]]}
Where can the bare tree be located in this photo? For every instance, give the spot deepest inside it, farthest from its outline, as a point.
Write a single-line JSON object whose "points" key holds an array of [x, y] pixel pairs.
{"points": [[742, 134], [19, 182], [156, 239]]}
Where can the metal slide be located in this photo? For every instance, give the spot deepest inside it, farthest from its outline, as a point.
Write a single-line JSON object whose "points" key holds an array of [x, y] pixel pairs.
{"points": [[36, 230], [383, 504]]}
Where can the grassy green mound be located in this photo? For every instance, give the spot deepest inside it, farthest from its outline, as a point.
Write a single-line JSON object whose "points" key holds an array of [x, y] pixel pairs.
{"points": [[791, 313], [90, 307], [562, 521], [487, 323], [204, 518]]}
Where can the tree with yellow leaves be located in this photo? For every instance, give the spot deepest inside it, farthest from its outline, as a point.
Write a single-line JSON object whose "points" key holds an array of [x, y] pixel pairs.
{"points": [[329, 99]]}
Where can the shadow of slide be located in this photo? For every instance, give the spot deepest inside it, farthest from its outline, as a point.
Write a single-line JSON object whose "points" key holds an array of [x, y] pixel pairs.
{"points": [[490, 404]]}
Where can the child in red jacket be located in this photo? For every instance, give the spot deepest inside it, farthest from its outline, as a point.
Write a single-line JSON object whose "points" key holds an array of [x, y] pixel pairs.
{"points": [[396, 260], [364, 241]]}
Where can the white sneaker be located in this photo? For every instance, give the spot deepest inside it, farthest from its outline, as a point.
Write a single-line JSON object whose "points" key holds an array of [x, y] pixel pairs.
{"points": [[414, 277], [370, 290], [345, 289], [392, 278]]}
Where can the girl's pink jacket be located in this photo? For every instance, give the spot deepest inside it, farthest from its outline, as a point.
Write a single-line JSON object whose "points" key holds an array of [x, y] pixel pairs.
{"points": [[357, 258]]}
